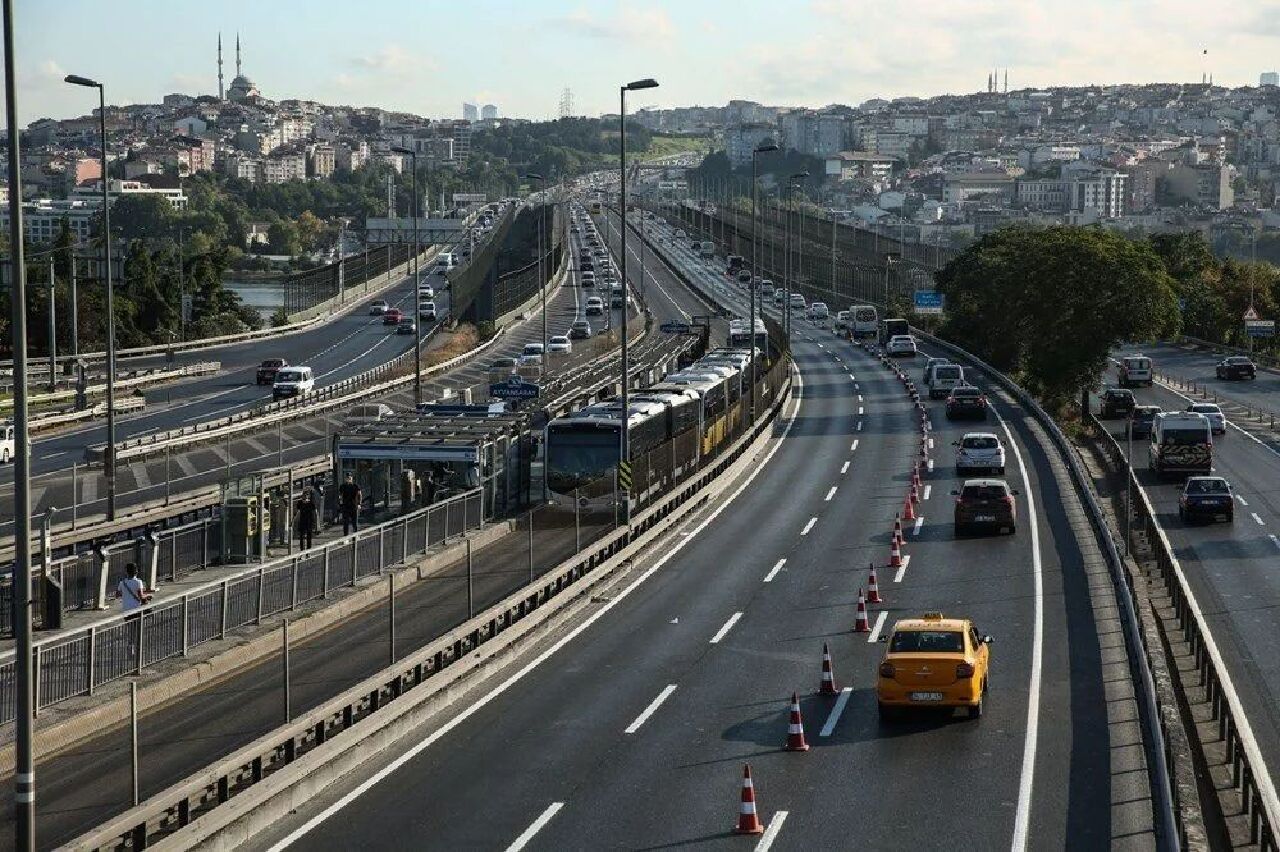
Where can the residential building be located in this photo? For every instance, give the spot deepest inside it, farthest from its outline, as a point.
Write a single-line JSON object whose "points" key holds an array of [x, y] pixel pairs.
{"points": [[322, 160], [851, 165], [1144, 178], [742, 139], [1208, 184], [892, 143], [964, 187], [238, 165], [92, 193], [350, 156], [42, 218], [284, 167]]}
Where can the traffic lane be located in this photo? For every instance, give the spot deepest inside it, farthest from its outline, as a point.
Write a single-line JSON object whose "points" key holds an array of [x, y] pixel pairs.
{"points": [[1193, 364], [1230, 567], [562, 725], [640, 270]]}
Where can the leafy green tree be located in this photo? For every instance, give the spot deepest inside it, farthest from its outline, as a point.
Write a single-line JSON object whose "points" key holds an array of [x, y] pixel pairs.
{"points": [[140, 216], [283, 238]]}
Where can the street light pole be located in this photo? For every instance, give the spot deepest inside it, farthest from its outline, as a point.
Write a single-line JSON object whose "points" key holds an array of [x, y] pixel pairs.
{"points": [[755, 263], [417, 283], [108, 458], [542, 279]]}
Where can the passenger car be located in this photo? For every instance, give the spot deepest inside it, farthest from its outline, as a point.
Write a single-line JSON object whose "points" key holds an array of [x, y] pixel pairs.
{"points": [[595, 306], [501, 369], [1116, 402], [559, 344], [392, 316], [406, 326], [268, 368], [377, 307], [842, 320], [933, 661], [1206, 498], [967, 401], [427, 311], [985, 503], [1236, 367], [1217, 420], [980, 451], [580, 330], [901, 345], [531, 353], [928, 365], [426, 292], [1141, 419]]}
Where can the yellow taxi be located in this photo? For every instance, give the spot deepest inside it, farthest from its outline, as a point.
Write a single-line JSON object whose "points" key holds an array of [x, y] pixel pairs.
{"points": [[933, 661]]}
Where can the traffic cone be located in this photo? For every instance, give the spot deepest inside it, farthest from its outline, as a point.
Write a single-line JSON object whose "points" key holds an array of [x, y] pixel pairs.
{"points": [[748, 819], [895, 554], [873, 585], [897, 526], [828, 676], [860, 623], [915, 475], [795, 728], [915, 494], [908, 510]]}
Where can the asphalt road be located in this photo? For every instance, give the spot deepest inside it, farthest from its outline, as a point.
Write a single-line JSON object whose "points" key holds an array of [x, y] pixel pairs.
{"points": [[633, 731], [1190, 364]]}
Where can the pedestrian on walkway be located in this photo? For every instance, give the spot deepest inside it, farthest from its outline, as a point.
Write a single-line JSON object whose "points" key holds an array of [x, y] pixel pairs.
{"points": [[307, 520], [349, 497], [131, 591]]}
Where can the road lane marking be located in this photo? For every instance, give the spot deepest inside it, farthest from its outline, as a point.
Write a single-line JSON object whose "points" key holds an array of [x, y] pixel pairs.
{"points": [[1261, 522], [808, 526], [931, 443], [844, 468], [851, 378], [773, 572], [930, 465], [902, 569], [919, 523], [649, 711], [875, 631], [859, 410], [854, 446], [928, 489], [1275, 539], [1022, 816], [859, 397], [834, 716], [724, 630], [1243, 502], [538, 824], [771, 833], [832, 493], [859, 425]]}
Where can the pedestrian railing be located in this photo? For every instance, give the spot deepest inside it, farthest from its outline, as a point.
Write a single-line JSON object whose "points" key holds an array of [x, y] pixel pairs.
{"points": [[76, 662]]}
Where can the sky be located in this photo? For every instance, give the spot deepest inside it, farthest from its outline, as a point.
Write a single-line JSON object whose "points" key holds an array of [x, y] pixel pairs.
{"points": [[428, 56]]}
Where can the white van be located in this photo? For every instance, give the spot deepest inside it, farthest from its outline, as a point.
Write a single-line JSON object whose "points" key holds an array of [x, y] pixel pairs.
{"points": [[1181, 442], [293, 381], [943, 379], [445, 261], [1134, 371], [427, 311]]}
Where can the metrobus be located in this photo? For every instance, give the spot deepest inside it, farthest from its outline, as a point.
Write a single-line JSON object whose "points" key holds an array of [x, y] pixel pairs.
{"points": [[864, 322], [740, 337], [594, 207]]}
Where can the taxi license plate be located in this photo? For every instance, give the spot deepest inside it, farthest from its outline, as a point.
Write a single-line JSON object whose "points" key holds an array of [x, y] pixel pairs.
{"points": [[926, 696], [984, 518]]}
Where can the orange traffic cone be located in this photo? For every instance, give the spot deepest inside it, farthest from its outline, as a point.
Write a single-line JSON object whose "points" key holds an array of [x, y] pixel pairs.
{"points": [[795, 728], [895, 554], [915, 475], [860, 623], [897, 525], [915, 494], [908, 510], [748, 819], [828, 676], [873, 586]]}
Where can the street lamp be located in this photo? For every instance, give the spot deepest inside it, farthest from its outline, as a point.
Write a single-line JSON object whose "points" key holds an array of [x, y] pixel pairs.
{"points": [[108, 458], [792, 186], [417, 281], [542, 279], [625, 440], [763, 148]]}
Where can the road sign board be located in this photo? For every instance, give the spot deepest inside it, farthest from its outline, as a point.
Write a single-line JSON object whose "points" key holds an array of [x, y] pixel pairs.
{"points": [[1250, 314], [675, 328], [514, 388], [1260, 328], [928, 302]]}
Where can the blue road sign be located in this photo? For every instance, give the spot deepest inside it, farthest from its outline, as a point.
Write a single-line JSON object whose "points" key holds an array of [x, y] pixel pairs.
{"points": [[928, 302], [514, 388], [675, 328]]}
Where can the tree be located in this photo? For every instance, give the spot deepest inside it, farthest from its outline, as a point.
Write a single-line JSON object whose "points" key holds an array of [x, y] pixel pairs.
{"points": [[282, 237], [309, 228], [139, 216], [1050, 304]]}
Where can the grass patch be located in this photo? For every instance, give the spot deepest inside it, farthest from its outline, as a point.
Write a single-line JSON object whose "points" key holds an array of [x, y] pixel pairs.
{"points": [[461, 340]]}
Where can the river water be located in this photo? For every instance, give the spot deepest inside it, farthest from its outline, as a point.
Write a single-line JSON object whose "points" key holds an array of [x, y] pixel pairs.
{"points": [[266, 296]]}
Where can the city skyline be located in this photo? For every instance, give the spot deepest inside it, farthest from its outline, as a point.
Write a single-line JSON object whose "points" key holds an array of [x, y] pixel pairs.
{"points": [[521, 58]]}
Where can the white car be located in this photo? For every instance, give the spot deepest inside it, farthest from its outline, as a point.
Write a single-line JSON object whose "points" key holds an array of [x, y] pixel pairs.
{"points": [[531, 353], [842, 320], [293, 381], [559, 344], [902, 345], [426, 292], [1217, 420], [979, 452], [427, 311], [595, 306]]}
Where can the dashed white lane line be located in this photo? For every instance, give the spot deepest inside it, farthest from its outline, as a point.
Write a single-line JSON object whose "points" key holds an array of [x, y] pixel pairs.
{"points": [[879, 625], [830, 494], [844, 468], [859, 425], [859, 410], [834, 716], [808, 526], [931, 443], [771, 833], [854, 446], [1261, 522], [859, 397], [724, 631], [651, 709], [919, 523], [930, 465], [1243, 502], [538, 824], [928, 489], [902, 569], [773, 572], [851, 378]]}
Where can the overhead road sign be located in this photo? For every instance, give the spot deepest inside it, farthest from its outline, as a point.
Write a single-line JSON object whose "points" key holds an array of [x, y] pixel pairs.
{"points": [[514, 388], [928, 302]]}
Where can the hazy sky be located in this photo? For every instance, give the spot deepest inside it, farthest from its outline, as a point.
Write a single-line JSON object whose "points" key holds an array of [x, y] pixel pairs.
{"points": [[427, 56]]}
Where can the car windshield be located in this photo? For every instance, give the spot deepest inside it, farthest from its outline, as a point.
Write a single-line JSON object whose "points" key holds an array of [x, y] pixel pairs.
{"points": [[1205, 408], [1242, 361], [1207, 486], [273, 362], [927, 641], [985, 442], [289, 376], [983, 492], [965, 393], [1120, 394]]}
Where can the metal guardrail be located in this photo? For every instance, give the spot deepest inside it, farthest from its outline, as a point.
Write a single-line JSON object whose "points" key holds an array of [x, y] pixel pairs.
{"points": [[52, 421], [1249, 771], [129, 379], [76, 662]]}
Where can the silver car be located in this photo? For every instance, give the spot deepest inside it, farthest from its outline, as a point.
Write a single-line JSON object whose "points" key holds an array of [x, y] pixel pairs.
{"points": [[979, 452]]}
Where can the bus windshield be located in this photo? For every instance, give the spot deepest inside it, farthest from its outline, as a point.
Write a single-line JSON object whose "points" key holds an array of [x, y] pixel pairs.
{"points": [[577, 457]]}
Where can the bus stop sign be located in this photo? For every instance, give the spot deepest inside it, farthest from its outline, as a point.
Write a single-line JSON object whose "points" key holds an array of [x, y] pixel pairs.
{"points": [[514, 388]]}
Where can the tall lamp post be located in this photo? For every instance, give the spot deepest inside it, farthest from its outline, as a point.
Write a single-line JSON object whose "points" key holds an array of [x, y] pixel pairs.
{"points": [[417, 282], [108, 458], [792, 186], [755, 262], [625, 440], [542, 279]]}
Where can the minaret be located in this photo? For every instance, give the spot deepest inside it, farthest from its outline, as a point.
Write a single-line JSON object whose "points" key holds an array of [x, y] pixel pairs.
{"points": [[1006, 81], [220, 94], [237, 54]]}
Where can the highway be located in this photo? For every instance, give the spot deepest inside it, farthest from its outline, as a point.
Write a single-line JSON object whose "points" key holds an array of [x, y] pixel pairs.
{"points": [[1231, 567], [1191, 364], [630, 730]]}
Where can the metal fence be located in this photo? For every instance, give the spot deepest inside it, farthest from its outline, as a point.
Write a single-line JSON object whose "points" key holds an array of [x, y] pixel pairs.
{"points": [[305, 290], [79, 661]]}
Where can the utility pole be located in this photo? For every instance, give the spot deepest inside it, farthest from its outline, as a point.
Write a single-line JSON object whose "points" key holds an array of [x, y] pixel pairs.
{"points": [[75, 308], [53, 327]]}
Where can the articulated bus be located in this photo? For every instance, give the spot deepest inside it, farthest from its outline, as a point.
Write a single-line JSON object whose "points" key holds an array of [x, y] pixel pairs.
{"points": [[740, 337], [594, 207], [864, 322]]}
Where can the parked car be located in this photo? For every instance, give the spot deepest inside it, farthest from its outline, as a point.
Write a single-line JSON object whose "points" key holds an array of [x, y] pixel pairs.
{"points": [[1206, 498], [1236, 367], [268, 368], [1116, 402], [985, 504], [559, 344]]}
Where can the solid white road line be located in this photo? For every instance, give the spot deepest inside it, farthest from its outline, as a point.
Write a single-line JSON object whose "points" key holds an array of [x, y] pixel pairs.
{"points": [[844, 468], [771, 833], [834, 716], [832, 493], [773, 572], [902, 569], [474, 707], [919, 523], [928, 489], [1261, 522], [538, 824], [649, 711], [724, 630], [1022, 816], [879, 625], [808, 526]]}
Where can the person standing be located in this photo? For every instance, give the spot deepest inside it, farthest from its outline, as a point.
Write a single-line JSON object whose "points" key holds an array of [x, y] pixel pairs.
{"points": [[307, 521], [349, 497], [131, 591]]}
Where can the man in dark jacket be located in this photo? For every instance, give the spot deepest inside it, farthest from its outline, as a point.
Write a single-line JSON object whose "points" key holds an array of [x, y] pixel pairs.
{"points": [[307, 521], [349, 496]]}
